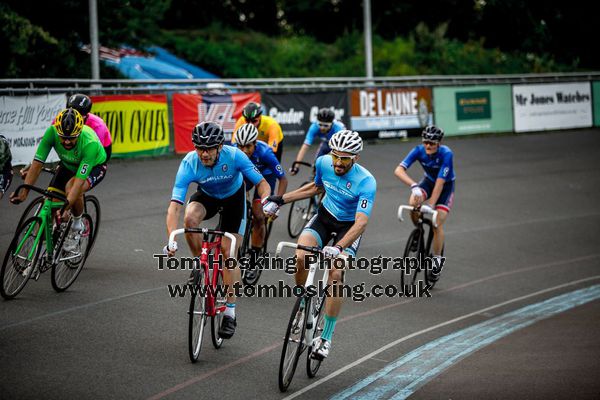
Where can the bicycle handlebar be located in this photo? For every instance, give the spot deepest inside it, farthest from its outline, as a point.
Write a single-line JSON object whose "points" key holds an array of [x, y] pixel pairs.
{"points": [[301, 163], [45, 192], [207, 231], [426, 211], [310, 249]]}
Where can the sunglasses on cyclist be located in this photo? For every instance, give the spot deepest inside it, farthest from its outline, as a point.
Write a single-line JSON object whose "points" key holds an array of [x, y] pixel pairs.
{"points": [[429, 143], [251, 121], [65, 138], [342, 159], [205, 149]]}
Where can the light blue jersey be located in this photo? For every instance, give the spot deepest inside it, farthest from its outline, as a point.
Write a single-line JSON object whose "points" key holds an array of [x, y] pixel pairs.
{"points": [[347, 194], [314, 131], [219, 181]]}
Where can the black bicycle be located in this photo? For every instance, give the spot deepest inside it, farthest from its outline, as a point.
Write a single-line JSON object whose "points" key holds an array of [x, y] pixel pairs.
{"points": [[301, 211], [246, 246], [91, 206], [416, 246]]}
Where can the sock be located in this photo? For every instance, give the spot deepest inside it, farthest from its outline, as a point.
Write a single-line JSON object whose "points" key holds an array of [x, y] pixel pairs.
{"points": [[230, 310], [438, 261], [328, 328], [77, 224]]}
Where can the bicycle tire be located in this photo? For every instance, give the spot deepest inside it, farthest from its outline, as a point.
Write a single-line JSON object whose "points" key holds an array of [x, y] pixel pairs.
{"points": [[217, 319], [312, 364], [299, 215], [292, 348], [35, 206], [197, 315], [64, 273], [414, 248], [95, 215], [10, 293]]}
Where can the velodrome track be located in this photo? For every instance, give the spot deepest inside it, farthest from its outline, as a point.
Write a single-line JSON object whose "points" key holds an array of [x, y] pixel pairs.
{"points": [[524, 229]]}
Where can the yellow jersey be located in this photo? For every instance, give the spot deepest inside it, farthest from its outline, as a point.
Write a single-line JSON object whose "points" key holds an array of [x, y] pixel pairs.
{"points": [[269, 131]]}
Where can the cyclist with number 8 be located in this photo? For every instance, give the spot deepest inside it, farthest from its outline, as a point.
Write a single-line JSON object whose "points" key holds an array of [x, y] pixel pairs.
{"points": [[349, 196], [82, 166], [436, 189]]}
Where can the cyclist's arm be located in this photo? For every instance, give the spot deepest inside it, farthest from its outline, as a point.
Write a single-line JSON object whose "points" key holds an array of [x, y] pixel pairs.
{"points": [[282, 186], [273, 134], [173, 215], [401, 173], [264, 190], [357, 229], [302, 152], [304, 192], [401, 169]]}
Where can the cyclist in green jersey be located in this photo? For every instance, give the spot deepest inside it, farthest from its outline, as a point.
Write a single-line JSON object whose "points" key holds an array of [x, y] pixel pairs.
{"points": [[82, 166]]}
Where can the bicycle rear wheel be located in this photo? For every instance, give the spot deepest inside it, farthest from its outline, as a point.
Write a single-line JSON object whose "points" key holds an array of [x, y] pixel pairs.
{"points": [[197, 315], [19, 265], [217, 319], [299, 215], [68, 264], [413, 249], [312, 364], [92, 208], [293, 343]]}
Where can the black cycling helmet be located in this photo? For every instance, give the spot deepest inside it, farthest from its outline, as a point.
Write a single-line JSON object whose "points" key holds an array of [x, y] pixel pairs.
{"points": [[432, 133], [325, 115], [81, 103], [69, 123], [252, 111], [207, 134]]}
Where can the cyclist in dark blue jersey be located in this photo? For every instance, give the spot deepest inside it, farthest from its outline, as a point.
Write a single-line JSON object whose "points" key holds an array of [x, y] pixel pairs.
{"points": [[349, 195], [323, 128], [436, 189], [264, 159], [219, 172]]}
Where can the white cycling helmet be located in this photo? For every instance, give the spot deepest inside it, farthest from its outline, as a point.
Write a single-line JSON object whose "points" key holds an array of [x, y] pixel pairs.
{"points": [[246, 134], [346, 141]]}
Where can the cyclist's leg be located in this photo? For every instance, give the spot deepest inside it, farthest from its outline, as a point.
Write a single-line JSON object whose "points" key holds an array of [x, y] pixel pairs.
{"points": [[443, 206], [96, 176], [199, 208], [313, 234]]}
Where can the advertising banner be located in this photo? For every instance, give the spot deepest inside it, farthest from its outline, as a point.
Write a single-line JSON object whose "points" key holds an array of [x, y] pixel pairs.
{"points": [[138, 124], [296, 111], [190, 109], [387, 113], [596, 91], [552, 106], [463, 110], [23, 121]]}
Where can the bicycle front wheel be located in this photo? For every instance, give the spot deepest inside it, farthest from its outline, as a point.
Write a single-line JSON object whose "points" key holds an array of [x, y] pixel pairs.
{"points": [[300, 213], [414, 247], [293, 343], [68, 264], [32, 209], [197, 315], [21, 258]]}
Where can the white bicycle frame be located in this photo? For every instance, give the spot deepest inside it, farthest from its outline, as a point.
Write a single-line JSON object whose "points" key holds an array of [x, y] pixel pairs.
{"points": [[426, 211], [312, 270]]}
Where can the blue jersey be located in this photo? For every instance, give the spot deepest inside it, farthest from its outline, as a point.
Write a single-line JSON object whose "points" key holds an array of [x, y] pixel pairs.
{"points": [[314, 131], [347, 194], [265, 160], [438, 165], [219, 181]]}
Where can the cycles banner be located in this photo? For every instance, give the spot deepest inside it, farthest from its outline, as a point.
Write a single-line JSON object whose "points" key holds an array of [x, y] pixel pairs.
{"points": [[296, 111], [463, 110], [385, 113], [189, 109], [596, 92], [138, 124], [23, 121], [552, 106]]}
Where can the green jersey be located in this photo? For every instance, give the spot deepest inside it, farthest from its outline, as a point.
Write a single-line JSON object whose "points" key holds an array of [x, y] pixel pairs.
{"points": [[87, 153]]}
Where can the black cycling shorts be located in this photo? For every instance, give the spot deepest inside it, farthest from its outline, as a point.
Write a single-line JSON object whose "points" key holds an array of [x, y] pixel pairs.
{"points": [[62, 175], [233, 214], [323, 225]]}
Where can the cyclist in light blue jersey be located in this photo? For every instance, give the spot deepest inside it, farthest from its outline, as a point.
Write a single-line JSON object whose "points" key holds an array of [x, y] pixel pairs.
{"points": [[349, 196], [323, 128], [436, 189], [264, 159], [219, 172]]}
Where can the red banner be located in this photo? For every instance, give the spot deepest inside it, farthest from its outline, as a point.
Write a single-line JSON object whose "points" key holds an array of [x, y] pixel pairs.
{"points": [[189, 109]]}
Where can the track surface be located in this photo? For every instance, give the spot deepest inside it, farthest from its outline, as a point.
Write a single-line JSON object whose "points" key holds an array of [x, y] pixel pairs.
{"points": [[525, 219]]}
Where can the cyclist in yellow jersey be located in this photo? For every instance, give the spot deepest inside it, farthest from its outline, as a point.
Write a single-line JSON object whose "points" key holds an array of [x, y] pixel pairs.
{"points": [[269, 130]]}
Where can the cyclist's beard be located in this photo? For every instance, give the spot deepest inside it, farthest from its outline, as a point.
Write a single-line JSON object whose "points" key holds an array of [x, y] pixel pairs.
{"points": [[339, 171], [209, 163], [69, 146]]}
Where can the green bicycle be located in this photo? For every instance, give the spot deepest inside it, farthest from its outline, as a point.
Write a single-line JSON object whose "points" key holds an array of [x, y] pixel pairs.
{"points": [[38, 246]]}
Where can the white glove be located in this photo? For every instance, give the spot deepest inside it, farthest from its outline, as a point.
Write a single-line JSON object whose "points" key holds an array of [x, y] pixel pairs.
{"points": [[332, 251], [172, 246], [426, 209], [416, 191]]}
